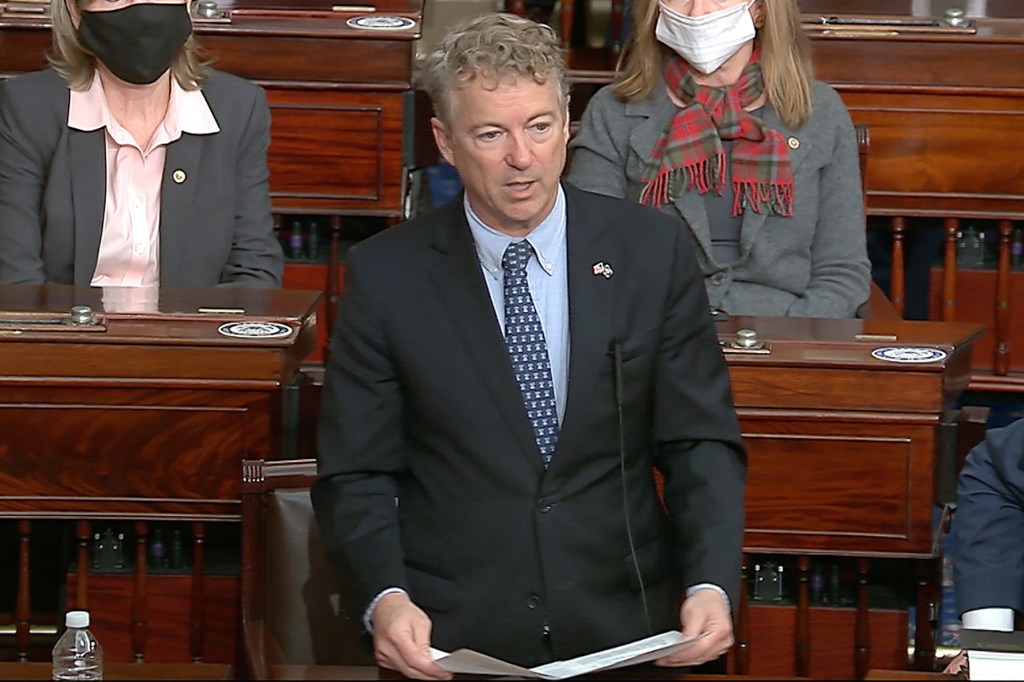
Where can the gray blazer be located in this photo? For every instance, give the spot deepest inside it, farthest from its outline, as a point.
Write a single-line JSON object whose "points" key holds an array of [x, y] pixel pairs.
{"points": [[215, 227], [813, 264]]}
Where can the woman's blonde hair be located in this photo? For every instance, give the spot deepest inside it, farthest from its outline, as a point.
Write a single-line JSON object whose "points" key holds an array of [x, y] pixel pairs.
{"points": [[492, 46], [785, 59], [77, 66]]}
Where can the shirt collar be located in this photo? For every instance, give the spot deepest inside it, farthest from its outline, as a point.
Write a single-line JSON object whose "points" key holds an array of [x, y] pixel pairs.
{"points": [[187, 112], [547, 239]]}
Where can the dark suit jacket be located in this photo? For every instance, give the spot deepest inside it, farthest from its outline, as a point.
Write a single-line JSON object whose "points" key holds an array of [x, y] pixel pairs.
{"points": [[988, 528], [215, 228], [420, 404]]}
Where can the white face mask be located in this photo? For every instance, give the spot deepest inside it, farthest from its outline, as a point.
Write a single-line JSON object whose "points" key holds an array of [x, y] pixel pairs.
{"points": [[707, 41]]}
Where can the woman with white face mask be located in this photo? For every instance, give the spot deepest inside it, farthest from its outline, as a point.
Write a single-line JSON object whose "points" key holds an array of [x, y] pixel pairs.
{"points": [[128, 163], [714, 116]]}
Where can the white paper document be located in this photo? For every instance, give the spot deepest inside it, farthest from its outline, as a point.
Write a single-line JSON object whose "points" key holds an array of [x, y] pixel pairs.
{"points": [[995, 665], [470, 662]]}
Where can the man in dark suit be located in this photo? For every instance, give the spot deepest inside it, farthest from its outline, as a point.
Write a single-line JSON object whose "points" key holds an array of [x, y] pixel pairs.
{"points": [[988, 531], [988, 535], [488, 433]]}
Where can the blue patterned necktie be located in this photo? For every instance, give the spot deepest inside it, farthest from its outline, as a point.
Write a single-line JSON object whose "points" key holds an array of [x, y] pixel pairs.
{"points": [[524, 337]]}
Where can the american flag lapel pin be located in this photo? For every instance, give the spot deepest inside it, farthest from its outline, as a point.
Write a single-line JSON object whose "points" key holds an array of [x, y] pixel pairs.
{"points": [[602, 268]]}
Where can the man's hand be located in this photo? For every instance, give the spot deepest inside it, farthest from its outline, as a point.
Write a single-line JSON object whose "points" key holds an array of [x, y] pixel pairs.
{"points": [[704, 615], [401, 639], [957, 664]]}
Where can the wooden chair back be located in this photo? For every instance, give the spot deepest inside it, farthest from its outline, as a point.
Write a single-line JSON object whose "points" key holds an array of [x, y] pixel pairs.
{"points": [[878, 306], [293, 605]]}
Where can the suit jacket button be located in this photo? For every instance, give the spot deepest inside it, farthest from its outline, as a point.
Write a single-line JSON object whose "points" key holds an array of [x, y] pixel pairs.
{"points": [[533, 602]]}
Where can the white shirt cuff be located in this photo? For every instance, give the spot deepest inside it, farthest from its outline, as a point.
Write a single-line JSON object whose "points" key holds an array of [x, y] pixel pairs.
{"points": [[368, 613], [709, 586], [992, 618]]}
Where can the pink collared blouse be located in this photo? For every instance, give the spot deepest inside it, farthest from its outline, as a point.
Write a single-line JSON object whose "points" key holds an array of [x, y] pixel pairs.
{"points": [[130, 243]]}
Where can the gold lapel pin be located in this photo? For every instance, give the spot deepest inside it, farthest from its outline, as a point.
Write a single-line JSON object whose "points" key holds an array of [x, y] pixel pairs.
{"points": [[178, 176]]}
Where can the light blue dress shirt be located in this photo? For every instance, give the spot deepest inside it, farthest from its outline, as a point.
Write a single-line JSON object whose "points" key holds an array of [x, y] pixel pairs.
{"points": [[548, 284]]}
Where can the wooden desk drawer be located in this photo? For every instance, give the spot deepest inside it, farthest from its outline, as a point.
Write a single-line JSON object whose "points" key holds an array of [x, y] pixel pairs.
{"points": [[841, 483]]}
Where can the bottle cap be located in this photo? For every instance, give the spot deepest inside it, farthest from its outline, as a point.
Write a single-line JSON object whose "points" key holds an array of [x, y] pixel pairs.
{"points": [[77, 619]]}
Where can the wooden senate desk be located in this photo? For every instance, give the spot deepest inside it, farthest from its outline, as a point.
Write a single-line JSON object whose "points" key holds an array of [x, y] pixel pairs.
{"points": [[847, 458], [909, 675], [126, 671], [135, 412], [945, 106]]}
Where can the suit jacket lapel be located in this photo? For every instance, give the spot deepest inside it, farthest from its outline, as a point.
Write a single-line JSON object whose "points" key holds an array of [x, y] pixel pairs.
{"points": [[459, 282], [753, 222], [181, 172], [88, 197], [591, 300], [654, 115]]}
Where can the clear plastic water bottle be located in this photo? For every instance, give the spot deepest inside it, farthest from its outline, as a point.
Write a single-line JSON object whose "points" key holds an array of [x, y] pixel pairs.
{"points": [[77, 655]]}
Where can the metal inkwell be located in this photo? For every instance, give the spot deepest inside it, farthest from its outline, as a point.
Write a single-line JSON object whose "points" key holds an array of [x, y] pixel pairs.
{"points": [[746, 341], [80, 318]]}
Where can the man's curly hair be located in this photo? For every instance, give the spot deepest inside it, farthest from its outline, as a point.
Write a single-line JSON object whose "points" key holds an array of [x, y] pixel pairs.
{"points": [[491, 47]]}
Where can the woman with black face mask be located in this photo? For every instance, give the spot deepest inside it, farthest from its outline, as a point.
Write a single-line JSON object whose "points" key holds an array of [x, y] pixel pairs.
{"points": [[714, 117], [128, 163]]}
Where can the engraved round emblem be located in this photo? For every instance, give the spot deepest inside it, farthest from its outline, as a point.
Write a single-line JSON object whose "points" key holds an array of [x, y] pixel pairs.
{"points": [[381, 23], [909, 354], [255, 330]]}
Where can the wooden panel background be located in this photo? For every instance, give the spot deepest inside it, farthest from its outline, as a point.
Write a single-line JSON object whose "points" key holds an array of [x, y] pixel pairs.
{"points": [[167, 621], [839, 483], [335, 151]]}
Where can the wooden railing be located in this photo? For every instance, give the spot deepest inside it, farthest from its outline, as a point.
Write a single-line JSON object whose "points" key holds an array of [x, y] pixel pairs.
{"points": [[983, 295], [132, 590]]}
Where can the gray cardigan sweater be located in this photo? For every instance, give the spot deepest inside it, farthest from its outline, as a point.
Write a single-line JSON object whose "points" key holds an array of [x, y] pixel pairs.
{"points": [[813, 264]]}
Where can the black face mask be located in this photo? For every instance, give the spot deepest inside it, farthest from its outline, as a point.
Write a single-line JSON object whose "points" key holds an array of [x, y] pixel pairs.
{"points": [[139, 42]]}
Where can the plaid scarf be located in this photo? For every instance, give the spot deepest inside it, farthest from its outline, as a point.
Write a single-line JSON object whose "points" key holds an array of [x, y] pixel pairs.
{"points": [[762, 177]]}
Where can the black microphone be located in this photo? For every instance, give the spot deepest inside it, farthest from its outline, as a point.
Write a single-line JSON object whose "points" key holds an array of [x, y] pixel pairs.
{"points": [[619, 404], [617, 373]]}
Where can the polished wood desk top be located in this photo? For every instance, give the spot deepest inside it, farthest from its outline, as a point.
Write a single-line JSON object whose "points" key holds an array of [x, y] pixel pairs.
{"points": [[126, 671], [168, 335], [127, 302], [156, 410], [907, 675], [986, 12], [818, 363], [816, 341]]}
